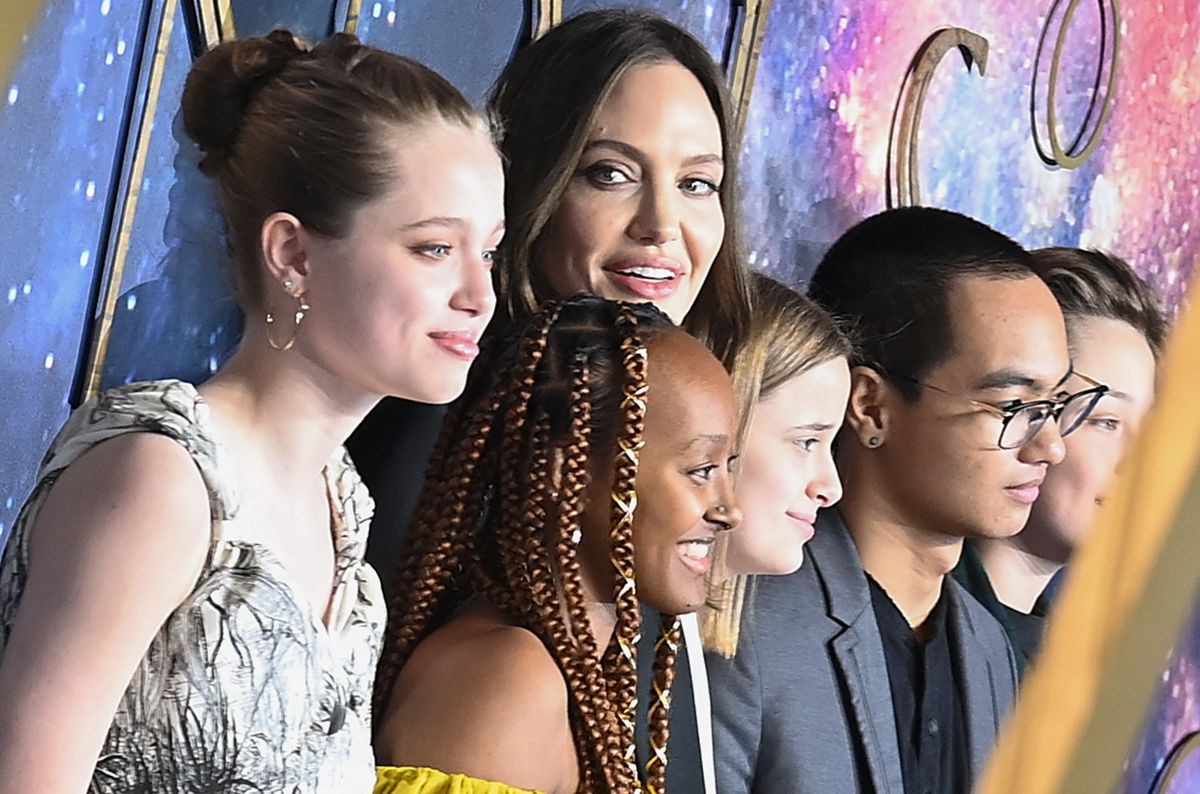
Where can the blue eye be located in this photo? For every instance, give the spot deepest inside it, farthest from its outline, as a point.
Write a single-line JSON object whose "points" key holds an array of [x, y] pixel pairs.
{"points": [[433, 250]]}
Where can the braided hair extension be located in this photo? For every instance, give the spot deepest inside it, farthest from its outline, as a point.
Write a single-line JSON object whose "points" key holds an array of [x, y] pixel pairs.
{"points": [[665, 651], [620, 658], [563, 393]]}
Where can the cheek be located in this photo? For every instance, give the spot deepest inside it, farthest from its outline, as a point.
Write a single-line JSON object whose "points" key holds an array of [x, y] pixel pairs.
{"points": [[704, 234]]}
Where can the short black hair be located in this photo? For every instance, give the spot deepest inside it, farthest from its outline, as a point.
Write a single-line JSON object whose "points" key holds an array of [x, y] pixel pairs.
{"points": [[888, 281], [1091, 283]]}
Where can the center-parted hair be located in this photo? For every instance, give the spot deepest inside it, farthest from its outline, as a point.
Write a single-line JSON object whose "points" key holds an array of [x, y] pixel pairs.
{"points": [[490, 524], [310, 131], [547, 101], [889, 278]]}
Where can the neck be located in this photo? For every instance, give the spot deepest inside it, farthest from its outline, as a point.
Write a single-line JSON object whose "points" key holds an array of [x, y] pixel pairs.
{"points": [[1018, 576], [290, 412], [909, 562]]}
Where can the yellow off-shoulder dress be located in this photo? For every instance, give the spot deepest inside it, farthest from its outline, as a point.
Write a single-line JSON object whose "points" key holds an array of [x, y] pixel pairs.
{"points": [[420, 780]]}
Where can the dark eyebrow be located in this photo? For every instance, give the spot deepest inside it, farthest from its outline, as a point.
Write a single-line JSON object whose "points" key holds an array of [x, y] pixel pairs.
{"points": [[634, 153], [1008, 378], [710, 438]]}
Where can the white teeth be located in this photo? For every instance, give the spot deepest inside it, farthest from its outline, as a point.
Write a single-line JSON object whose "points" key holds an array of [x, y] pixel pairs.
{"points": [[658, 273], [697, 549]]}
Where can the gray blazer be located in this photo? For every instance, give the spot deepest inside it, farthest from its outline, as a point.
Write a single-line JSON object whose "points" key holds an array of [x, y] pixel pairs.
{"points": [[805, 706]]}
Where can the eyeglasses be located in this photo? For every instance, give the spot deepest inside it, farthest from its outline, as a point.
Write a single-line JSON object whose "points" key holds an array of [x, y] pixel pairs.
{"points": [[1022, 421]]}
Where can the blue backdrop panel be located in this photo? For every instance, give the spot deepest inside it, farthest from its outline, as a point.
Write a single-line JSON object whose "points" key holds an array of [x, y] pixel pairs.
{"points": [[61, 133], [175, 316], [467, 42], [707, 20], [311, 19]]}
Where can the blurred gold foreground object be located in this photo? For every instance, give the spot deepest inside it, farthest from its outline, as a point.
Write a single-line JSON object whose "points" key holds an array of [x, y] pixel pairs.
{"points": [[20, 16], [1129, 592]]}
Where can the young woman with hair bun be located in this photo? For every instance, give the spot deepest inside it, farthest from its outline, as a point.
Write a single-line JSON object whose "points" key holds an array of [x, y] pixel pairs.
{"points": [[584, 473], [183, 600]]}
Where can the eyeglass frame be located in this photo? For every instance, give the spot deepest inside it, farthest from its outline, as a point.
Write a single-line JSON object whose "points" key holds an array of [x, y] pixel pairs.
{"points": [[1056, 407]]}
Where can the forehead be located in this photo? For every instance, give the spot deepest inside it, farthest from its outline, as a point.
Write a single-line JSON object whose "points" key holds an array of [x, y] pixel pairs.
{"points": [[662, 104], [1116, 354], [440, 168], [1005, 325], [690, 394]]}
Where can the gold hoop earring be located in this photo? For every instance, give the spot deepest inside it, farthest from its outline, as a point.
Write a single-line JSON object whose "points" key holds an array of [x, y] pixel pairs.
{"points": [[301, 308]]}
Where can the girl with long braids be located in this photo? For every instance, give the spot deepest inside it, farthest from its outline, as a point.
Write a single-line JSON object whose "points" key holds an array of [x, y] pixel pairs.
{"points": [[184, 604], [583, 473], [622, 181]]}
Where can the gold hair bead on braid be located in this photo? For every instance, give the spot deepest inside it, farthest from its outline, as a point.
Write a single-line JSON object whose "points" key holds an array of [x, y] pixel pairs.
{"points": [[660, 706]]}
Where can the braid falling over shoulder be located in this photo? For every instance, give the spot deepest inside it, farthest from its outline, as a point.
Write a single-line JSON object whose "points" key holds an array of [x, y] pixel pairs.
{"points": [[501, 516]]}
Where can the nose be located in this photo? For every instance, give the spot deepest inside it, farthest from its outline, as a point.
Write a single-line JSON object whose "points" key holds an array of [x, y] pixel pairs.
{"points": [[1045, 447], [724, 511], [476, 294], [656, 221], [826, 487]]}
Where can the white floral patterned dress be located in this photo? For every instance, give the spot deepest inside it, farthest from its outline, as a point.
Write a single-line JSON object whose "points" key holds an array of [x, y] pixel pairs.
{"points": [[243, 689]]}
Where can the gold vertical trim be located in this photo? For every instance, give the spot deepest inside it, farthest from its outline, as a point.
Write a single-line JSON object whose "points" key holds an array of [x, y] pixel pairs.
{"points": [[216, 21], [350, 23], [745, 60], [903, 188], [112, 285], [548, 14]]}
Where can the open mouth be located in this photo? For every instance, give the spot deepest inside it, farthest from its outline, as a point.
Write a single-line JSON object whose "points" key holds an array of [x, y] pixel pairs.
{"points": [[650, 280], [696, 554]]}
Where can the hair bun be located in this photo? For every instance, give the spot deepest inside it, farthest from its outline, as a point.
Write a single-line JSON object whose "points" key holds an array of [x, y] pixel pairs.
{"points": [[222, 83]]}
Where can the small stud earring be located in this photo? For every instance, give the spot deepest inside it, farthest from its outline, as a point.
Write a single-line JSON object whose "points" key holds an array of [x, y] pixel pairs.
{"points": [[874, 441], [287, 286]]}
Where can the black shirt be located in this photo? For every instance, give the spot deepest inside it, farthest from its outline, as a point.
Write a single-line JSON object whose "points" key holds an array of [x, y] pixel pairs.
{"points": [[931, 725], [1024, 631]]}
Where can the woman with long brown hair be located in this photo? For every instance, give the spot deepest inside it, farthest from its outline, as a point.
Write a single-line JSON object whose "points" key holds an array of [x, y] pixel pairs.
{"points": [[584, 473], [183, 600], [618, 133]]}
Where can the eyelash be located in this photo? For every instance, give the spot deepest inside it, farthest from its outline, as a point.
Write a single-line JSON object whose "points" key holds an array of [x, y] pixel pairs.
{"points": [[1106, 423], [439, 251], [594, 173], [704, 473], [807, 444]]}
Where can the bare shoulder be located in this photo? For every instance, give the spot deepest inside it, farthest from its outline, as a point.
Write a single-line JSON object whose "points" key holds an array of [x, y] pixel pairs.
{"points": [[486, 700], [116, 545], [138, 492]]}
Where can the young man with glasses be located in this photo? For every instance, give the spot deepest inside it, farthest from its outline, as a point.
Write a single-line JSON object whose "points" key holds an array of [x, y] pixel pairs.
{"points": [[1116, 328], [869, 669]]}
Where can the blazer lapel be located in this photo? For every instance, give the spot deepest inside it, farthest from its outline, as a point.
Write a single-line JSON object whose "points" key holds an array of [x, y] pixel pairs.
{"points": [[981, 682], [858, 650]]}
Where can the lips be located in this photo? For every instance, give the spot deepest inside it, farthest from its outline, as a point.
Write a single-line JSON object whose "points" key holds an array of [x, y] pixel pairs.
{"points": [[1026, 492], [805, 523], [696, 554], [460, 344], [652, 278]]}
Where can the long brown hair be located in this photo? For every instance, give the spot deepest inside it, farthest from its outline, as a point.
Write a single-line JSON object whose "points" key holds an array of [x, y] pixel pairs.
{"points": [[573, 379], [789, 334], [308, 131], [547, 100]]}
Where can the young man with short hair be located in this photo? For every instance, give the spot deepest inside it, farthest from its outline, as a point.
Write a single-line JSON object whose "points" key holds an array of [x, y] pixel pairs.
{"points": [[869, 669], [1115, 328]]}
